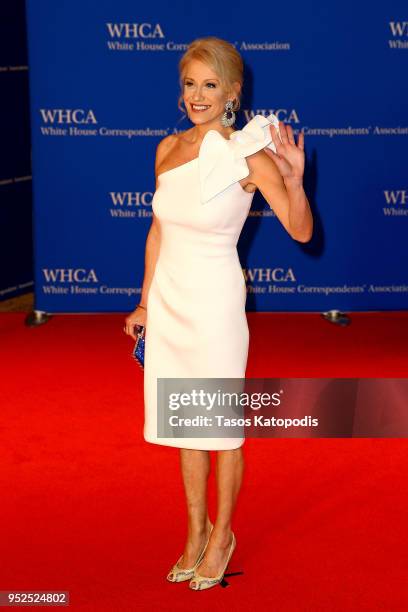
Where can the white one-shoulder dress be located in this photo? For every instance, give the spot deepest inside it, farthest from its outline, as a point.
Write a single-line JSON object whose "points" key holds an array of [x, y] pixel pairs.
{"points": [[196, 324]]}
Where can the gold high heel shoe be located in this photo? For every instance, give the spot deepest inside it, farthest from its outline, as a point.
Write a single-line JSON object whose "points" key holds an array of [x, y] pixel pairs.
{"points": [[206, 582], [180, 574]]}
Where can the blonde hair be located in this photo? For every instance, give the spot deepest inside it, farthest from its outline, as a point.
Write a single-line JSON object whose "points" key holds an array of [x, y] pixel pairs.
{"points": [[221, 56]]}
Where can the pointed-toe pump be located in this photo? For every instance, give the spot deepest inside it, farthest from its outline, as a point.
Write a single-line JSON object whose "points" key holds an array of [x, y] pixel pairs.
{"points": [[181, 574], [199, 582]]}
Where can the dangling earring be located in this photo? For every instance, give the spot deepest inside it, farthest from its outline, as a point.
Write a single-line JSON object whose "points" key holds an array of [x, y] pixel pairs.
{"points": [[228, 117]]}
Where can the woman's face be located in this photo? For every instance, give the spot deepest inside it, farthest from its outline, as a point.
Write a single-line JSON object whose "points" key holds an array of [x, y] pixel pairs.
{"points": [[203, 95]]}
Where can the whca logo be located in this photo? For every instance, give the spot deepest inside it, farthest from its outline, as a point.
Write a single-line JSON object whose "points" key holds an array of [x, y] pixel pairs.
{"points": [[134, 30], [70, 275], [67, 116]]}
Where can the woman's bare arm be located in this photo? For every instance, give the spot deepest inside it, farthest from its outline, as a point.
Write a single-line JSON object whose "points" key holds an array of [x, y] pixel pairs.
{"points": [[152, 250], [153, 237], [151, 255], [279, 177]]}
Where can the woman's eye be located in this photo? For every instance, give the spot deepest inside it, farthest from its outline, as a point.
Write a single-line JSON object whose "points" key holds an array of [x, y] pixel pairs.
{"points": [[189, 84]]}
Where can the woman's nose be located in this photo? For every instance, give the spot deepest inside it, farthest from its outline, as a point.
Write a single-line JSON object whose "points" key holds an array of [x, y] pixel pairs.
{"points": [[198, 94]]}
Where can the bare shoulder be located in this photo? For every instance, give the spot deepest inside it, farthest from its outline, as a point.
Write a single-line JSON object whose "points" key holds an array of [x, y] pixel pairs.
{"points": [[166, 145]]}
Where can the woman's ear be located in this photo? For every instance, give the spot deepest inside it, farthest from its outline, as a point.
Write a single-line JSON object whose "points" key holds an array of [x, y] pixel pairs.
{"points": [[237, 88], [235, 93]]}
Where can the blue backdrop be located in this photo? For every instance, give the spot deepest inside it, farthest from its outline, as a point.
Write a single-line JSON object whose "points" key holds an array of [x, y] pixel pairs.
{"points": [[104, 89]]}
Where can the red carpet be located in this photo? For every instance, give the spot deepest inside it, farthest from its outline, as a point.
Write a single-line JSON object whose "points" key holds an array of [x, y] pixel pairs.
{"points": [[89, 507]]}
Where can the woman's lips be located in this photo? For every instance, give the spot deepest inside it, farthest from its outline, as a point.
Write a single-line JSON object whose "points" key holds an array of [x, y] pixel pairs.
{"points": [[199, 108]]}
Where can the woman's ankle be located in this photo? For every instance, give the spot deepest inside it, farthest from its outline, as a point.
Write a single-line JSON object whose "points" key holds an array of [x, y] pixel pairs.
{"points": [[222, 536], [200, 529]]}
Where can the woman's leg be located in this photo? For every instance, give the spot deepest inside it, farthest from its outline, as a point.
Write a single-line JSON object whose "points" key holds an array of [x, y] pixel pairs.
{"points": [[195, 469], [230, 468]]}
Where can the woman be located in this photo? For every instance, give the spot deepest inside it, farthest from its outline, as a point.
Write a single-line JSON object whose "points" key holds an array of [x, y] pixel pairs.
{"points": [[193, 295]]}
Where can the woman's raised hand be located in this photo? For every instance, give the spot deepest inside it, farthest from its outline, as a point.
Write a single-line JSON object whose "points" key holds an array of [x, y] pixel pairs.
{"points": [[289, 156]]}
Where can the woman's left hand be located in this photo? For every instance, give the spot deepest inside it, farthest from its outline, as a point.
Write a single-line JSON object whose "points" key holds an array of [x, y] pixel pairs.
{"points": [[289, 156]]}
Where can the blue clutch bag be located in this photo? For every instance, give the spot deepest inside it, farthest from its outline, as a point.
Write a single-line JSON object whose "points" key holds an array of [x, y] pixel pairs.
{"points": [[138, 351]]}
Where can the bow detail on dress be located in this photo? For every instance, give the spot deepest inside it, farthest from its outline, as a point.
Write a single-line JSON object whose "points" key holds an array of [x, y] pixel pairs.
{"points": [[222, 161]]}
